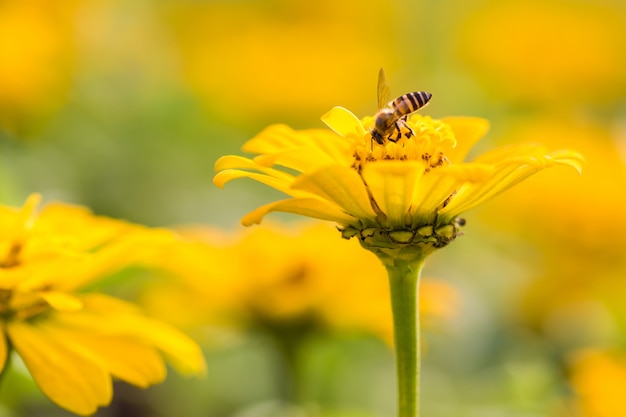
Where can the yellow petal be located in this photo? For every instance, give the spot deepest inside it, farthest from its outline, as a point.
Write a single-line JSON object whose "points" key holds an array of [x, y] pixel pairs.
{"points": [[274, 138], [310, 207], [121, 319], [341, 185], [221, 178], [392, 184], [21, 220], [105, 304], [131, 248], [471, 172], [307, 150], [569, 158], [530, 152], [343, 122], [333, 145], [505, 175], [180, 350], [124, 357], [436, 186], [27, 212], [467, 131], [239, 162], [517, 151], [431, 193], [298, 159], [61, 301], [70, 378]]}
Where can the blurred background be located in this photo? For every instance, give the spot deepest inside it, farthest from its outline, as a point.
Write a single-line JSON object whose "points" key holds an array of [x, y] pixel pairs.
{"points": [[125, 106]]}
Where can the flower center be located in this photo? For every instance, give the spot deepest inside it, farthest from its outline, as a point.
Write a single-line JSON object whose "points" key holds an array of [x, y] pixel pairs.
{"points": [[420, 139], [17, 305], [5, 298], [20, 306], [11, 256]]}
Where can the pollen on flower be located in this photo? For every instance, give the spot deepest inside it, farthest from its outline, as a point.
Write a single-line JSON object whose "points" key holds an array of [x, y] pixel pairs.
{"points": [[431, 139]]}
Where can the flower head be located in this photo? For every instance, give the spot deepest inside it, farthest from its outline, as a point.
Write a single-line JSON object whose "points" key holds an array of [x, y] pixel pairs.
{"points": [[73, 344], [272, 278], [395, 194], [35, 72]]}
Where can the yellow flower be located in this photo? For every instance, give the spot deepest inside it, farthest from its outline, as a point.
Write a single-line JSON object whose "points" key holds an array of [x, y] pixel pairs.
{"points": [[573, 223], [598, 378], [74, 344], [34, 75], [401, 193], [285, 44], [271, 275], [542, 51], [408, 192]]}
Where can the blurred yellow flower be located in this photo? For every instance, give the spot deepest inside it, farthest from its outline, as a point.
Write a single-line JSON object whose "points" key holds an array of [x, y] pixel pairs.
{"points": [[36, 51], [555, 50], [576, 223], [405, 193], [74, 344], [598, 378], [272, 275], [276, 61]]}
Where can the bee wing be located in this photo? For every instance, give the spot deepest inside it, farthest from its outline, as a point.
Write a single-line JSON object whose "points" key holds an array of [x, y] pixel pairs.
{"points": [[382, 92]]}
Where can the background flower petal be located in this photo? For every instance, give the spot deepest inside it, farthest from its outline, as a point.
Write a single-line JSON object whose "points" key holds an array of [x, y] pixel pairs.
{"points": [[61, 300], [69, 377], [125, 357], [121, 319], [179, 349]]}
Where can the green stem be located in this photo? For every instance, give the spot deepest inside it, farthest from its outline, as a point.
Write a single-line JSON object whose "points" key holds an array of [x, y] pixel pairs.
{"points": [[404, 283], [5, 368]]}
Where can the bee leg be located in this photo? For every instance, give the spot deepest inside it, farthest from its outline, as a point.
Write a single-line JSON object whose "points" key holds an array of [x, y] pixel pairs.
{"points": [[409, 132], [397, 137]]}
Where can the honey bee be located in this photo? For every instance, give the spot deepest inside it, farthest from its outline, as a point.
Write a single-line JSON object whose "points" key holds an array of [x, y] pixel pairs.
{"points": [[391, 117]]}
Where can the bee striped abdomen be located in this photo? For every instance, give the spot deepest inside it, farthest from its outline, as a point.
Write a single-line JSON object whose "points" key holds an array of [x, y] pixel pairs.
{"points": [[410, 102]]}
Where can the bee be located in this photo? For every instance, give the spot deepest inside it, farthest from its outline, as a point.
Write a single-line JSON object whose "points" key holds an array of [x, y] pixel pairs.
{"points": [[391, 117]]}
